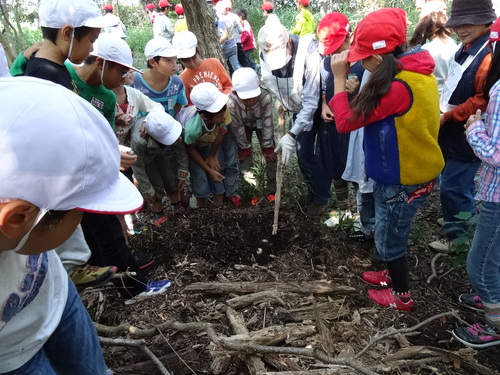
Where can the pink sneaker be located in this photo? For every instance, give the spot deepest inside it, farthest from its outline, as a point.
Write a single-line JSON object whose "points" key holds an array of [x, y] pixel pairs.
{"points": [[379, 278], [235, 200], [386, 297]]}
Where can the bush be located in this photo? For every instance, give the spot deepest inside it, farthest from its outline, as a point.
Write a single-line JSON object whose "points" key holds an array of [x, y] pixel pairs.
{"points": [[137, 37]]}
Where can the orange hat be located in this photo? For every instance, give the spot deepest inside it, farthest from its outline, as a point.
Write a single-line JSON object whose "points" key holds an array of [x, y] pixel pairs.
{"points": [[267, 6], [108, 7], [179, 9], [332, 31], [379, 32], [150, 6]]}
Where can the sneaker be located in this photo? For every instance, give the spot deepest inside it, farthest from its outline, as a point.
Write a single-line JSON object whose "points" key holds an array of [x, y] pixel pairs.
{"points": [[159, 218], [386, 297], [86, 276], [477, 336], [271, 198], [153, 288], [471, 301], [316, 209], [254, 201], [441, 246], [143, 260], [359, 236], [379, 278], [235, 200]]}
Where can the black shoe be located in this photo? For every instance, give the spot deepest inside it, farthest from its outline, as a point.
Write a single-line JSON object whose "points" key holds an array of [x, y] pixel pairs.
{"points": [[143, 260], [359, 236]]}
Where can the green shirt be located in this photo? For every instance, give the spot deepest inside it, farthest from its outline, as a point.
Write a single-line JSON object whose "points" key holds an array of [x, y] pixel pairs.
{"points": [[304, 23]]}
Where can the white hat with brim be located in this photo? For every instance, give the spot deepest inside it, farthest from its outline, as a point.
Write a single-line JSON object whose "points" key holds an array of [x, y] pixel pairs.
{"points": [[71, 161], [56, 14], [163, 128], [185, 43], [206, 97], [159, 46], [113, 48], [272, 42], [246, 83]]}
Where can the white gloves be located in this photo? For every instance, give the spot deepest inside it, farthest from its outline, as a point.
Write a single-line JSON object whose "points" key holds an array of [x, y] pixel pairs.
{"points": [[287, 146]]}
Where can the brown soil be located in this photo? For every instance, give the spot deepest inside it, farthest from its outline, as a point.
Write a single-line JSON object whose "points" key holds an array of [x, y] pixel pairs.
{"points": [[235, 244]]}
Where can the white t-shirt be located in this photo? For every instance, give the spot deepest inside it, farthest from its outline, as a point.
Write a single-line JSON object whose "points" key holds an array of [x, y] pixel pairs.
{"points": [[442, 51], [33, 294], [118, 29], [163, 27]]}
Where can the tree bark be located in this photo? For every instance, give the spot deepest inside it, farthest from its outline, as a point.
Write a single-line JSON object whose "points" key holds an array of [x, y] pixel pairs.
{"points": [[201, 21]]}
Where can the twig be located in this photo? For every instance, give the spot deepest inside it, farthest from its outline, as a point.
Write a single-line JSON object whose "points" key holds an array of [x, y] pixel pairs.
{"points": [[175, 352], [433, 266], [141, 344], [137, 332], [392, 332], [314, 353], [279, 171]]}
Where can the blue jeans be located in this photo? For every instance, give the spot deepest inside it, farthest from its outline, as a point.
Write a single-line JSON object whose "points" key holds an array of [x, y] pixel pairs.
{"points": [[231, 166], [306, 157], [201, 183], [457, 191], [231, 56], [366, 210], [483, 260], [393, 218], [73, 348]]}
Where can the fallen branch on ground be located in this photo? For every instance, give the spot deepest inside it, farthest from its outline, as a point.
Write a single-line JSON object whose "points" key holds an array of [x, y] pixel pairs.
{"points": [[433, 267]]}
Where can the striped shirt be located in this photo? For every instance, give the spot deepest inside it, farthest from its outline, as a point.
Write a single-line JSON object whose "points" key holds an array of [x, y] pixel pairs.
{"points": [[484, 138]]}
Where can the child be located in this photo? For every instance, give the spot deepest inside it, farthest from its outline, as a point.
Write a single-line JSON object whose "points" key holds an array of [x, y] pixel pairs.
{"points": [[304, 21], [462, 95], [483, 260], [198, 70], [161, 85], [162, 26], [251, 111], [204, 130], [44, 327], [181, 23], [403, 159], [247, 39]]}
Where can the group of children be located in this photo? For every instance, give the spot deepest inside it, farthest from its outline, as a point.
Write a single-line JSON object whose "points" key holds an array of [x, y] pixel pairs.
{"points": [[198, 127]]}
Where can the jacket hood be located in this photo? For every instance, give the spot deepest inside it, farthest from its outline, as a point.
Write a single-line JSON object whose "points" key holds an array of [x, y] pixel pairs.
{"points": [[417, 60]]}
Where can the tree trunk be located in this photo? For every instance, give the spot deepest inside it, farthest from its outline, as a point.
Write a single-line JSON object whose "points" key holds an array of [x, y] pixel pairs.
{"points": [[200, 21]]}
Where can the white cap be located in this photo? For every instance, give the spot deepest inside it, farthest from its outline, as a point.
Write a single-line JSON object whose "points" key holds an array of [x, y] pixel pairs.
{"points": [[206, 97], [68, 161], [58, 13], [221, 7], [163, 128], [113, 48], [246, 83], [272, 41], [185, 43], [159, 46]]}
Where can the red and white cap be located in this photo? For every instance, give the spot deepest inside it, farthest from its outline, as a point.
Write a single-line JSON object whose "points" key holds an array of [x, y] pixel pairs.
{"points": [[70, 161], [267, 6], [150, 6]]}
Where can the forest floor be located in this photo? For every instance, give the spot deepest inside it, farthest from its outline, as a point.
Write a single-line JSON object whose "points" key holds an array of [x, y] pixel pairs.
{"points": [[311, 295]]}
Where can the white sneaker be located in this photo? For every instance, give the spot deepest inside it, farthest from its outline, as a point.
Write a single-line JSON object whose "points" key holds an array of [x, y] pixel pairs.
{"points": [[441, 246], [153, 288]]}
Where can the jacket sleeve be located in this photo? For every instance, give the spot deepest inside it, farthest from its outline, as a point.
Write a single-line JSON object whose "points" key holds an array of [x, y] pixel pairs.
{"points": [[396, 101], [18, 67], [267, 118], [461, 112]]}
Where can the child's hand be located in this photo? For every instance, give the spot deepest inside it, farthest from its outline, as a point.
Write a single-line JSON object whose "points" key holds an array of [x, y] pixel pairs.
{"points": [[352, 84], [213, 163], [142, 130], [127, 159], [216, 176], [473, 118], [326, 113], [339, 64]]}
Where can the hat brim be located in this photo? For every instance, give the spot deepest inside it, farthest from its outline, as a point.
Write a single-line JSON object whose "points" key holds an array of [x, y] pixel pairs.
{"points": [[248, 94], [126, 66], [100, 22], [475, 19], [276, 59], [354, 55], [219, 103], [186, 53], [333, 47], [120, 198]]}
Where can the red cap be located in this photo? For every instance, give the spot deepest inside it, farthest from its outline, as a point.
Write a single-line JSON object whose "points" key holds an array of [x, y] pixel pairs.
{"points": [[379, 32], [332, 31], [495, 31], [267, 6], [163, 4], [150, 6], [304, 2], [108, 7], [179, 9]]}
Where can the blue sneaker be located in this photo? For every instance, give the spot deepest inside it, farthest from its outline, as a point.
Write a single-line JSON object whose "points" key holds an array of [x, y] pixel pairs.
{"points": [[153, 288]]}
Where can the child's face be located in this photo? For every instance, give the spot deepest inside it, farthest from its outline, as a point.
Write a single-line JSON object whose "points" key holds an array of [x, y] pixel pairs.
{"points": [[191, 62], [469, 33], [82, 48], [165, 66], [250, 102], [114, 74]]}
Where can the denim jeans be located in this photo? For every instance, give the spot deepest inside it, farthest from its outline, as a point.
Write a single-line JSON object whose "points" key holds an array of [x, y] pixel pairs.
{"points": [[457, 191], [73, 348], [366, 209], [201, 184], [232, 60], [483, 260], [231, 166], [306, 157], [393, 218]]}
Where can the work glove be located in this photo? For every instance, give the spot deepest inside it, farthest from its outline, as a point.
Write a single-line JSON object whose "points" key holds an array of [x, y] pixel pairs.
{"points": [[286, 145]]}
